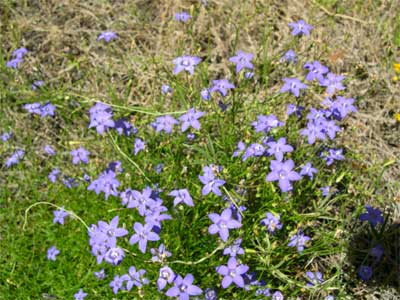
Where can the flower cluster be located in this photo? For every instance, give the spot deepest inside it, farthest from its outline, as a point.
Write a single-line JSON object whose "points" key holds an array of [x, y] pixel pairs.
{"points": [[14, 158], [101, 117], [17, 57], [103, 241], [42, 110], [106, 183]]}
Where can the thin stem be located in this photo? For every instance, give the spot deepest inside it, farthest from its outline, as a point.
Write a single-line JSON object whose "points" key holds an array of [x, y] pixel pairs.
{"points": [[128, 158], [197, 261], [51, 204], [233, 201]]}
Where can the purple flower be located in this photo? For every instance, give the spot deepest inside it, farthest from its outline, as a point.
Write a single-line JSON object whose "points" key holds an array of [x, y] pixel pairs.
{"points": [[190, 119], [155, 216], [211, 183], [333, 82], [14, 158], [59, 215], [182, 17], [13, 63], [373, 216], [239, 149], [313, 132], [289, 56], [266, 123], [6, 136], [315, 278], [210, 294], [300, 27], [49, 150], [142, 235], [272, 222], [101, 117], [182, 196], [282, 171], [184, 288], [107, 36], [232, 273], [80, 295], [20, 52], [116, 284], [254, 150], [325, 190], [142, 201], [80, 155], [185, 63], [33, 108], [293, 85], [54, 175], [37, 84], [365, 272], [277, 296], [114, 256], [205, 94], [234, 249], [100, 275], [279, 148], [138, 146], [332, 155], [106, 183], [166, 276], [222, 223], [242, 60], [47, 109], [308, 170], [294, 109], [52, 252], [123, 127], [329, 127], [112, 231], [315, 71], [165, 123], [160, 254], [341, 107], [165, 89], [222, 86], [298, 240], [134, 278]]}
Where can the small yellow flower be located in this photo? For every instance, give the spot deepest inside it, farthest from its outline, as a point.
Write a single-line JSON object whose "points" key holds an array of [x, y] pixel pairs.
{"points": [[395, 78], [396, 68], [397, 117]]}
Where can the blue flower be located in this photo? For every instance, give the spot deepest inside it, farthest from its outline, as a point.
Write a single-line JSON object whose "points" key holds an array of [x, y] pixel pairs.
{"points": [[373, 216]]}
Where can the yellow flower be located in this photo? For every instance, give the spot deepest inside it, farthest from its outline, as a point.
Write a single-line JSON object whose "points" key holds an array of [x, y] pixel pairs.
{"points": [[397, 117], [396, 68]]}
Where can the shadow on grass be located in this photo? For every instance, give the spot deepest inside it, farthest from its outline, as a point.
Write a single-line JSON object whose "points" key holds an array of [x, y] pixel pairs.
{"points": [[374, 253]]}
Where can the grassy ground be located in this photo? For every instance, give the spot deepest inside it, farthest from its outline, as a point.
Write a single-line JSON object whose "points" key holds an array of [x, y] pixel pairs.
{"points": [[359, 39]]}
